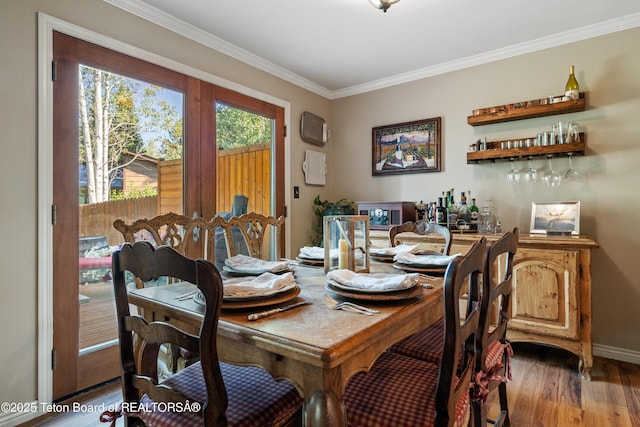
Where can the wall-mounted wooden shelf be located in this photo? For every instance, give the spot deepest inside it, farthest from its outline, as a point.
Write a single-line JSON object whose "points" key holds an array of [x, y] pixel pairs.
{"points": [[497, 154], [524, 110]]}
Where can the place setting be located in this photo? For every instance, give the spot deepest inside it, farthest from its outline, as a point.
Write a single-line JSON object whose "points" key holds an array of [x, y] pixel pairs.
{"points": [[263, 290], [311, 256], [251, 282], [387, 254], [244, 265], [418, 263], [373, 287]]}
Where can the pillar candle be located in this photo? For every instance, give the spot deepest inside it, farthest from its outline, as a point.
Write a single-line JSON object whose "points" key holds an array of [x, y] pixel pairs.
{"points": [[343, 254]]}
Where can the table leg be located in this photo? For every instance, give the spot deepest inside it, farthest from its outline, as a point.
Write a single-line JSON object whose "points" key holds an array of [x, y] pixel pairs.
{"points": [[324, 409]]}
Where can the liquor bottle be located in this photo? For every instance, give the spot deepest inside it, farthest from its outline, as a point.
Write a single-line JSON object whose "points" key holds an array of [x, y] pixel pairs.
{"points": [[441, 213], [474, 215], [452, 212], [572, 89], [463, 210]]}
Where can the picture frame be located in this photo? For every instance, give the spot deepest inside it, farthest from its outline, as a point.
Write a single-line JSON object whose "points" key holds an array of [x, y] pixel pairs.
{"points": [[555, 218], [410, 147]]}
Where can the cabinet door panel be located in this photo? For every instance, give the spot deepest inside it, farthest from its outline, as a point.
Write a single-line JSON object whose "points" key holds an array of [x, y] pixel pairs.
{"points": [[544, 299]]}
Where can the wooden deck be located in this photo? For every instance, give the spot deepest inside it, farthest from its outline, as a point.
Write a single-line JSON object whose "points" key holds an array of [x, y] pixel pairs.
{"points": [[97, 314]]}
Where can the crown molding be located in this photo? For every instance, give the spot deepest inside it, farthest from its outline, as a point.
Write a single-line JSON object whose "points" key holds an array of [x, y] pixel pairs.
{"points": [[191, 32], [559, 39]]}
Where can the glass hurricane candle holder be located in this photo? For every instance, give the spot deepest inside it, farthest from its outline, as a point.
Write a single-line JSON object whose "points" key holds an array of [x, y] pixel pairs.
{"points": [[346, 243]]}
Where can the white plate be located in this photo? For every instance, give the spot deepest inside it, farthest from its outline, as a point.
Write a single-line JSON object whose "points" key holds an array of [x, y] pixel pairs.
{"points": [[365, 290], [265, 294]]}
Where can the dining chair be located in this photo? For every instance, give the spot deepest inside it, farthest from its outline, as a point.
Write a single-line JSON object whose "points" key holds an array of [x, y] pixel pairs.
{"points": [[403, 391], [492, 349], [256, 231], [209, 392]]}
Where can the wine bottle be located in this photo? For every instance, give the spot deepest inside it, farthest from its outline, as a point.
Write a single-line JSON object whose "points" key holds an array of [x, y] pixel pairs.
{"points": [[572, 89]]}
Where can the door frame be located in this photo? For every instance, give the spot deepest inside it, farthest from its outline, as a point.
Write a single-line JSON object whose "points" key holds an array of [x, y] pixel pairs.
{"points": [[46, 26]]}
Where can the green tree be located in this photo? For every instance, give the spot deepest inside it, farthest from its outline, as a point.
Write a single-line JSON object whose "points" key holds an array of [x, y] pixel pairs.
{"points": [[159, 116], [238, 128], [115, 111]]}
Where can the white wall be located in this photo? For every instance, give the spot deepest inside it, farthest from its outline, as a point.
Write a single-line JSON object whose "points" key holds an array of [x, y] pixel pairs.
{"points": [[607, 70]]}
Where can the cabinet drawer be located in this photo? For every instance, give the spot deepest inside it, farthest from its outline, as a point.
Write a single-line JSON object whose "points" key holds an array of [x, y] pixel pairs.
{"points": [[545, 292]]}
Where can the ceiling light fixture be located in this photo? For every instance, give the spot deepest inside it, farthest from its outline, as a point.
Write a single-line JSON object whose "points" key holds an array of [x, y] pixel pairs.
{"points": [[382, 4]]}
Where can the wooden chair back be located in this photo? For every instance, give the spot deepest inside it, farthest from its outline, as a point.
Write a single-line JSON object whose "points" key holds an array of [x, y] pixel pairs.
{"points": [[193, 237], [257, 231], [407, 227], [494, 317], [461, 283], [179, 232], [422, 228], [141, 376]]}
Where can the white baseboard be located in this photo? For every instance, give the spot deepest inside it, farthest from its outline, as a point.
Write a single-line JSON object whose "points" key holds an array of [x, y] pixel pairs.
{"points": [[616, 353], [11, 419]]}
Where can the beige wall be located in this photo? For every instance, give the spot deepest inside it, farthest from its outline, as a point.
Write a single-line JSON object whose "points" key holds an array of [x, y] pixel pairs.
{"points": [[607, 70]]}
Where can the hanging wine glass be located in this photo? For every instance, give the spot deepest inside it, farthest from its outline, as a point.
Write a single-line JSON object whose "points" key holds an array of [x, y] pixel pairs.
{"points": [[551, 177], [571, 174], [531, 174], [513, 176]]}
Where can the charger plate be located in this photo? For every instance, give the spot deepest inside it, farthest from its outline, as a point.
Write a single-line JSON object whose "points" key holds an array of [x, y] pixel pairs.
{"points": [[381, 258], [310, 261], [266, 294], [347, 288], [239, 273], [403, 294], [252, 303], [413, 268]]}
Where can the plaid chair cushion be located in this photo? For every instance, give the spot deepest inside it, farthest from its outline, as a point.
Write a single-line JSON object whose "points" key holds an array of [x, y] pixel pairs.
{"points": [[398, 391], [255, 398], [424, 345], [427, 345]]}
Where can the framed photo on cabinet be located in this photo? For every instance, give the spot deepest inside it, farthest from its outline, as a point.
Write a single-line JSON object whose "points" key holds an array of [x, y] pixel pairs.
{"points": [[555, 218], [411, 147]]}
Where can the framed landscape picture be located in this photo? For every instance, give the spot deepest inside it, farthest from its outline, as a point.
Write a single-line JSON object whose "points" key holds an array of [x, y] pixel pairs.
{"points": [[411, 147], [555, 218]]}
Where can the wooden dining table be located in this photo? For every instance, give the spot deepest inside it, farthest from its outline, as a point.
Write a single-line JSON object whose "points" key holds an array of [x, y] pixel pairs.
{"points": [[313, 346]]}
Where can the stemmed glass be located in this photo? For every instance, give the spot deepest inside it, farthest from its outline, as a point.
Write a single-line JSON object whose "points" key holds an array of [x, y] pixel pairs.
{"points": [[513, 175], [552, 178], [531, 175], [571, 174]]}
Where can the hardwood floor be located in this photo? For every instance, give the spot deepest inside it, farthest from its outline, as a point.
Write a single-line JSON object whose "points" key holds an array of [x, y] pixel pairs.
{"points": [[546, 391]]}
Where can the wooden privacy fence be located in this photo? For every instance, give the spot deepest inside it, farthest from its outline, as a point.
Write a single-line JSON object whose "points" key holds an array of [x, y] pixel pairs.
{"points": [[96, 219], [243, 170]]}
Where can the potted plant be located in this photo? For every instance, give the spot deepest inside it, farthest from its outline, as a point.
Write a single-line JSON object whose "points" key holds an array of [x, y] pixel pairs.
{"points": [[323, 208]]}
